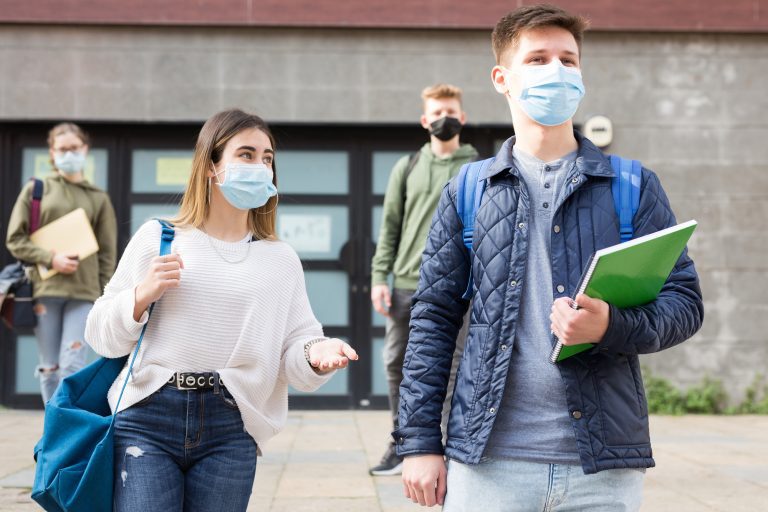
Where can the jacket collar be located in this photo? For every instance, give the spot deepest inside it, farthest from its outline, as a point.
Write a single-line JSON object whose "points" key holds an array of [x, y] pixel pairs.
{"points": [[589, 160]]}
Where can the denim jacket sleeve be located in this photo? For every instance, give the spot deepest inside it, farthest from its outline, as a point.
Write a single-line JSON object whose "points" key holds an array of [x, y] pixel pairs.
{"points": [[436, 318], [678, 311]]}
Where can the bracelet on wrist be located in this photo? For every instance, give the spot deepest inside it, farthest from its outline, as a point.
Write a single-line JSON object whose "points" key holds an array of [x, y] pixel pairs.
{"points": [[306, 350]]}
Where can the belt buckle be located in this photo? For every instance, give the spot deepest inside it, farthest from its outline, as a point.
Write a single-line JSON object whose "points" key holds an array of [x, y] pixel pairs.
{"points": [[180, 381]]}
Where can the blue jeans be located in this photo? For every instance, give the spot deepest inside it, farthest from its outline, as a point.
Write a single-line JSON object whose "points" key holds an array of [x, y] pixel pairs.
{"points": [[515, 486], [183, 451], [60, 346]]}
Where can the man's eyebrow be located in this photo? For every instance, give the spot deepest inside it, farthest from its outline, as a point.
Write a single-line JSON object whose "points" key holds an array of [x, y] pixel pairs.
{"points": [[542, 50]]}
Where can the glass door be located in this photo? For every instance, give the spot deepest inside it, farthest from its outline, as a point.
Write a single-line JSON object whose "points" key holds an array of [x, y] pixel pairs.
{"points": [[315, 217]]}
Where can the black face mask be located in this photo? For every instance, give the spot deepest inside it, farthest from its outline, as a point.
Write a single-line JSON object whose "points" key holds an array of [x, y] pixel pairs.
{"points": [[445, 128]]}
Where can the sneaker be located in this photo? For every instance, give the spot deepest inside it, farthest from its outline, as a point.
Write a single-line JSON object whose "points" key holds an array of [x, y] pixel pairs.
{"points": [[391, 464]]}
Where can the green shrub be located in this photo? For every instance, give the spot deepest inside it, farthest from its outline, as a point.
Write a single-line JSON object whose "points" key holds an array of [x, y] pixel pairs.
{"points": [[708, 397], [662, 396], [756, 398]]}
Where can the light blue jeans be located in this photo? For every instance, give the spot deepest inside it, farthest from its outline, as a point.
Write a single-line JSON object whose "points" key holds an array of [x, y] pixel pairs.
{"points": [[60, 345], [515, 486]]}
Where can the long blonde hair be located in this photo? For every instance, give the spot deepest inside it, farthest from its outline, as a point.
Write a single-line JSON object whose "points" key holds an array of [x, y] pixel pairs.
{"points": [[214, 135]]}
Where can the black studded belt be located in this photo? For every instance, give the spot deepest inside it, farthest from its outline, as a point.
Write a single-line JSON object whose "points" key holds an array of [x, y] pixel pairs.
{"points": [[190, 381]]}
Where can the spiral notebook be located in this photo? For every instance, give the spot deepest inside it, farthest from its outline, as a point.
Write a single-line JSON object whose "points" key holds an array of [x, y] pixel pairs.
{"points": [[629, 274]]}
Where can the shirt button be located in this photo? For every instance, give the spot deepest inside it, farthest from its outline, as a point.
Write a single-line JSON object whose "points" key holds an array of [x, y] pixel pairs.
{"points": [[521, 225], [556, 229], [401, 440], [492, 410], [560, 288], [546, 185], [575, 180], [547, 168], [503, 347], [545, 205], [576, 415], [513, 283]]}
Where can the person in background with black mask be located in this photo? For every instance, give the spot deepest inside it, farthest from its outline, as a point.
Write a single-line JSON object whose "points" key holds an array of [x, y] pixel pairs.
{"points": [[412, 195]]}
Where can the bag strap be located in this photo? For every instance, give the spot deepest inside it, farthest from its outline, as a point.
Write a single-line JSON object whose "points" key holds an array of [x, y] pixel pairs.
{"points": [[468, 199], [626, 193], [412, 161], [34, 205], [414, 158], [166, 237]]}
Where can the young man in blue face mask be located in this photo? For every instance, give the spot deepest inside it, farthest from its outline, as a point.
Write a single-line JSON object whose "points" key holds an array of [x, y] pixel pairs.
{"points": [[525, 434], [412, 195]]}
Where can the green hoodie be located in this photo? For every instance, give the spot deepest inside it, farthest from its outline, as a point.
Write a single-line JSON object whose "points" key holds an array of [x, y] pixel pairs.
{"points": [[399, 253], [59, 198]]}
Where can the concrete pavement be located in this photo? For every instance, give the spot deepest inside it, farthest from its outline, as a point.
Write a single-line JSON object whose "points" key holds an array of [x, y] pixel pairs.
{"points": [[319, 463]]}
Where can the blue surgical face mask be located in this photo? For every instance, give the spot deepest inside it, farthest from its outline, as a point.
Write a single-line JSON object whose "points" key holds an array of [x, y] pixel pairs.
{"points": [[71, 162], [246, 186], [550, 94]]}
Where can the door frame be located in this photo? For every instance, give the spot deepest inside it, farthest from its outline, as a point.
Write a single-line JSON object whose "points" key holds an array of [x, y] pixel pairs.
{"points": [[359, 140]]}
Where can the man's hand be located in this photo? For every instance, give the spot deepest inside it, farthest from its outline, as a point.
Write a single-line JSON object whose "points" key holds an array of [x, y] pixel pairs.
{"points": [[424, 479], [584, 325], [380, 297], [65, 264]]}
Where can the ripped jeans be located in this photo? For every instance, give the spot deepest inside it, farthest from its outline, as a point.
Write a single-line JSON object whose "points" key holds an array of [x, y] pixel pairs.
{"points": [[183, 451], [60, 345]]}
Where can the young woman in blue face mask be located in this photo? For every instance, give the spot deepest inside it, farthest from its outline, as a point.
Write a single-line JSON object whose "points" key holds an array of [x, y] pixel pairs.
{"points": [[231, 329], [64, 299]]}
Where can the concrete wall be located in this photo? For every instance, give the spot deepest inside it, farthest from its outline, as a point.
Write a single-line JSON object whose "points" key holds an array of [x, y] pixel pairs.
{"points": [[691, 107]]}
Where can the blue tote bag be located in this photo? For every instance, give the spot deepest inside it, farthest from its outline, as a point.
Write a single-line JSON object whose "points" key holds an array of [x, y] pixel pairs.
{"points": [[75, 455]]}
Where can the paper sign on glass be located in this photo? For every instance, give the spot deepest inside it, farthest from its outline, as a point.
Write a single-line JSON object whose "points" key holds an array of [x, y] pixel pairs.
{"points": [[306, 233], [69, 235]]}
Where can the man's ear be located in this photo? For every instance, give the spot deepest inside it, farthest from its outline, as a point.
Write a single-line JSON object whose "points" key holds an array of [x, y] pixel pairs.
{"points": [[497, 77], [463, 117], [424, 123]]}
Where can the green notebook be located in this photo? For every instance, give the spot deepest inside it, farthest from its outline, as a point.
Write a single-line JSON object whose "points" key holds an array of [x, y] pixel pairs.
{"points": [[629, 274]]}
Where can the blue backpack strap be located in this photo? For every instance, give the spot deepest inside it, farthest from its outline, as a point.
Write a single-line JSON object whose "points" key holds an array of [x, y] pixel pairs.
{"points": [[626, 193], [166, 237], [468, 200]]}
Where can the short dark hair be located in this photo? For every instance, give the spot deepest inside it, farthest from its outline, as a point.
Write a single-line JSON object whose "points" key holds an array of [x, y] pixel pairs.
{"points": [[507, 32]]}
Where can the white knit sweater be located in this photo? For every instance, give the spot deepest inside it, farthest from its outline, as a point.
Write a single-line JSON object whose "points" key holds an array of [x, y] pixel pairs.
{"points": [[248, 320]]}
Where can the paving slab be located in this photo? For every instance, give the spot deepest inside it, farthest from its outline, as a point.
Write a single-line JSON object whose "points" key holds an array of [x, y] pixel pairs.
{"points": [[320, 463]]}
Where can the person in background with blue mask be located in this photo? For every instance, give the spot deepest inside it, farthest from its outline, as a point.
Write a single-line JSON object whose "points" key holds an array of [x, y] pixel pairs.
{"points": [[525, 434], [64, 299], [231, 330]]}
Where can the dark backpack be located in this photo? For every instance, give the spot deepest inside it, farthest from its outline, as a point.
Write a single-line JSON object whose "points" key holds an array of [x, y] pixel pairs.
{"points": [[470, 187], [17, 309]]}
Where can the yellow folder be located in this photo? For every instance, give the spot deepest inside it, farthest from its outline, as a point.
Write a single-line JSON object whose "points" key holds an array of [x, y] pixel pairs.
{"points": [[68, 235]]}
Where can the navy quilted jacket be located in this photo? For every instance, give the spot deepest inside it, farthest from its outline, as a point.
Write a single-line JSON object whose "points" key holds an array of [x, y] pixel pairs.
{"points": [[603, 386]]}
